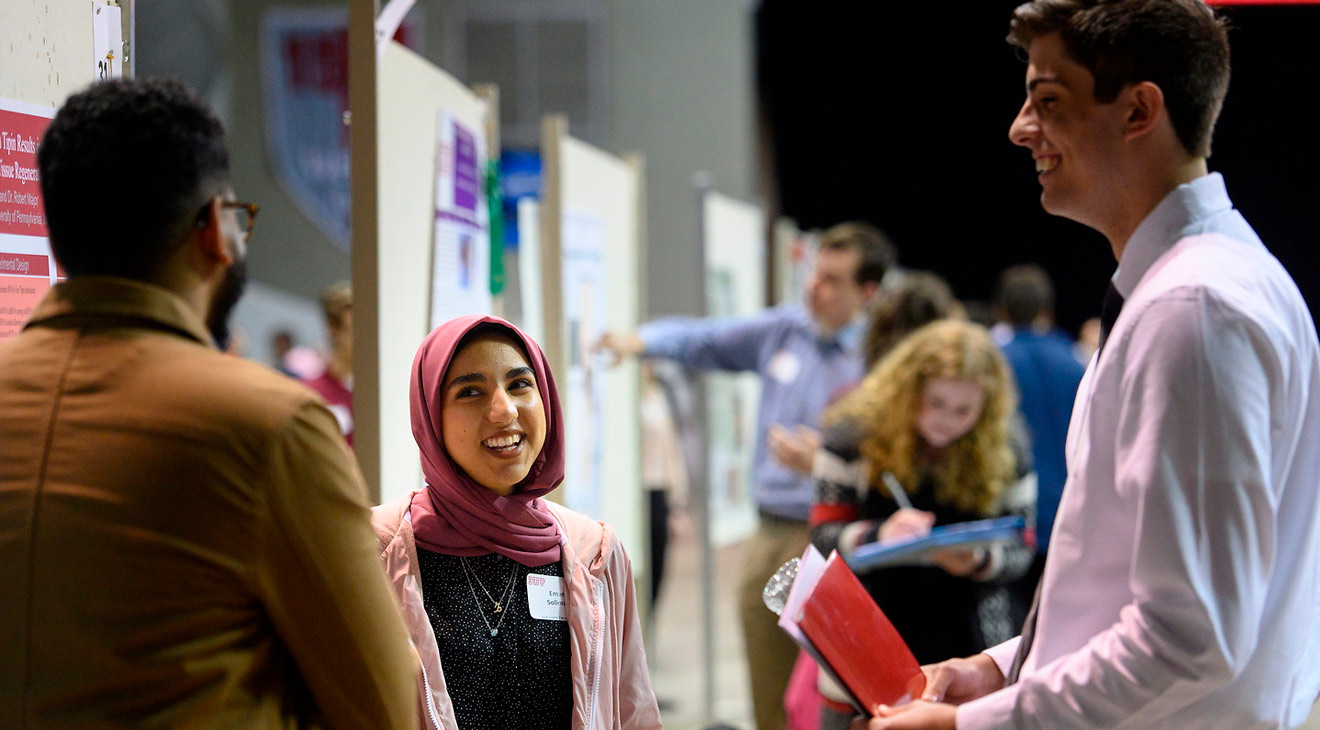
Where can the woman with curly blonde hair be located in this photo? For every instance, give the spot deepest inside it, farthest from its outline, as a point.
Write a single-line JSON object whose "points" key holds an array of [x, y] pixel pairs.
{"points": [[935, 414], [974, 463]]}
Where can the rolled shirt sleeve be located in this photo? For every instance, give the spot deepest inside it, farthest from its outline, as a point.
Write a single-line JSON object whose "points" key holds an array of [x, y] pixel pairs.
{"points": [[800, 368], [734, 344]]}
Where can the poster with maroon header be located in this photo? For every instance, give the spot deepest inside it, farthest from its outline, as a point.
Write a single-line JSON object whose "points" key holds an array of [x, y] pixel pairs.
{"points": [[27, 268], [460, 253]]}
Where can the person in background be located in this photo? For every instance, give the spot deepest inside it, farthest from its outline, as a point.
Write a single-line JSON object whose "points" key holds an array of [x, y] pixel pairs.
{"points": [[933, 415], [523, 613], [238, 341], [803, 354], [184, 538], [335, 384], [664, 469], [1181, 589], [1047, 377], [281, 343], [1088, 340], [978, 311], [919, 298]]}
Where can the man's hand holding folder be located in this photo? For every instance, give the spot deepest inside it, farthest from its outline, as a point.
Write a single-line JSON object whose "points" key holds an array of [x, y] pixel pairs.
{"points": [[948, 684]]}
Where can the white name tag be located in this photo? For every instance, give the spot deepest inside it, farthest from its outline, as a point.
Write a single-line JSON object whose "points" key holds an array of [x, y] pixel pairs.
{"points": [[784, 366], [546, 598]]}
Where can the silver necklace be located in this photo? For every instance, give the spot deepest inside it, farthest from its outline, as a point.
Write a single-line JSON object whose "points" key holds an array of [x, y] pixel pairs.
{"points": [[468, 573]]}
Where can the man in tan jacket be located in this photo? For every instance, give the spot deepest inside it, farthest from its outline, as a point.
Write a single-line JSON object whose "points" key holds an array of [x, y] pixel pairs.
{"points": [[184, 537]]}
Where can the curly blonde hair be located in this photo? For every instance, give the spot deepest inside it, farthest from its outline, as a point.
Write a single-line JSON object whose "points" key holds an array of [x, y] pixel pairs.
{"points": [[970, 473]]}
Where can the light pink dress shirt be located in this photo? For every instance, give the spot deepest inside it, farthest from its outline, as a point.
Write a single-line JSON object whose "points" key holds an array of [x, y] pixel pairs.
{"points": [[1183, 583]]}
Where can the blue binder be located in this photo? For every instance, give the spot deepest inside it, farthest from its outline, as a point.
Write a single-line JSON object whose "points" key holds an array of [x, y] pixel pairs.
{"points": [[918, 550]]}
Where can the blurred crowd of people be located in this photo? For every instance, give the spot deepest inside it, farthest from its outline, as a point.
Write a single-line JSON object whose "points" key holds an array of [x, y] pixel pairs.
{"points": [[188, 540], [879, 375]]}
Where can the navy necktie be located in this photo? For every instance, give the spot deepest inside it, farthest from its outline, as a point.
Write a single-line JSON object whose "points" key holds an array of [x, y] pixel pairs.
{"points": [[1109, 309]]}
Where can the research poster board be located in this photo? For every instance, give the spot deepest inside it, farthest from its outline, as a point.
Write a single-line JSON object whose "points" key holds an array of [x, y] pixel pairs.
{"points": [[48, 50], [27, 268], [590, 246], [421, 189], [734, 254], [460, 253]]}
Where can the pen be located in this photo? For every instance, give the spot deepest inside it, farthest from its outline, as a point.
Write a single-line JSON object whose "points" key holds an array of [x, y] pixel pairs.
{"points": [[895, 489]]}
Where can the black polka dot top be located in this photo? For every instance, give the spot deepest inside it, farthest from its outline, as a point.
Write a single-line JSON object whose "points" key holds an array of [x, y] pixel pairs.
{"points": [[503, 668]]}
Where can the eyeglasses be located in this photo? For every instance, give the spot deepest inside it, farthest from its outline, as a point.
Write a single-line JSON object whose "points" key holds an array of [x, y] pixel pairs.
{"points": [[245, 214]]}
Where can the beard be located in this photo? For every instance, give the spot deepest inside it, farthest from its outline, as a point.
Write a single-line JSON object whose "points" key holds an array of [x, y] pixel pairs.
{"points": [[222, 304]]}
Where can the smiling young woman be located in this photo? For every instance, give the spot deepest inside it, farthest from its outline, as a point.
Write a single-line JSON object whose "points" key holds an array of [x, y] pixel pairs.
{"points": [[523, 612], [493, 419], [932, 417]]}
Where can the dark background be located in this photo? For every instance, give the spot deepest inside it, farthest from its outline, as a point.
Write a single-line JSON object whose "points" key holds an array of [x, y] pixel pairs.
{"points": [[898, 113]]}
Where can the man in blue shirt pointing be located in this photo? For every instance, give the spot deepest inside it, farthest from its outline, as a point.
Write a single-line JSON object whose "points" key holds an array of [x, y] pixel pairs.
{"points": [[803, 353]]}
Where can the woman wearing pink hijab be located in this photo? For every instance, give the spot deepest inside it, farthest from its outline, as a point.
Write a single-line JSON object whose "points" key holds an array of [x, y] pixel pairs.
{"points": [[522, 612]]}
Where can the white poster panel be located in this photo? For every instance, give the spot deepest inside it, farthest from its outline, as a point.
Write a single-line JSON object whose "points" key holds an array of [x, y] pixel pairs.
{"points": [[529, 269], [585, 300], [412, 95], [460, 263], [735, 262], [795, 257]]}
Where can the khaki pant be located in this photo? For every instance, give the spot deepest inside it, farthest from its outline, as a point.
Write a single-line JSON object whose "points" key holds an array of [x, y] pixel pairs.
{"points": [[770, 653], [1312, 722]]}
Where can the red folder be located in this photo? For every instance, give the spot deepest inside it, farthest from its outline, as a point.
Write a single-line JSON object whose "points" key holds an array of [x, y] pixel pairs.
{"points": [[852, 634]]}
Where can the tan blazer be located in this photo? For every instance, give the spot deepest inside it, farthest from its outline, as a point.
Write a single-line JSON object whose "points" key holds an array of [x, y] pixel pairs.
{"points": [[184, 537]]}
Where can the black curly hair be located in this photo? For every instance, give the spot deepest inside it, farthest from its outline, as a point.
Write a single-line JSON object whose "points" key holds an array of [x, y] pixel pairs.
{"points": [[125, 167]]}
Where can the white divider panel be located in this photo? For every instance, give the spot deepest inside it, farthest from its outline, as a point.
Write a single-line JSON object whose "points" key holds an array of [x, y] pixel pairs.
{"points": [[591, 246], [412, 95], [734, 246], [532, 320], [795, 257], [45, 50]]}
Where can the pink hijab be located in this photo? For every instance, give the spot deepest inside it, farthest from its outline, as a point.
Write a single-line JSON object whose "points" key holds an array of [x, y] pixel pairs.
{"points": [[455, 515]]}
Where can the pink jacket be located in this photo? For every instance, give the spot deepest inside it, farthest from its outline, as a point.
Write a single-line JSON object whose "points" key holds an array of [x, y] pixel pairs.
{"points": [[611, 684]]}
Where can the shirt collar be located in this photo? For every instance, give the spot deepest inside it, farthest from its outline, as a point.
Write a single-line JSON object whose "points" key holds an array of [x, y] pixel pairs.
{"points": [[845, 338], [1184, 205], [104, 296], [851, 334]]}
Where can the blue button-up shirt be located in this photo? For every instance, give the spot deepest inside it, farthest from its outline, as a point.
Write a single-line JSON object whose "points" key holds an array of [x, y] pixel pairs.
{"points": [[1047, 375], [800, 369]]}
